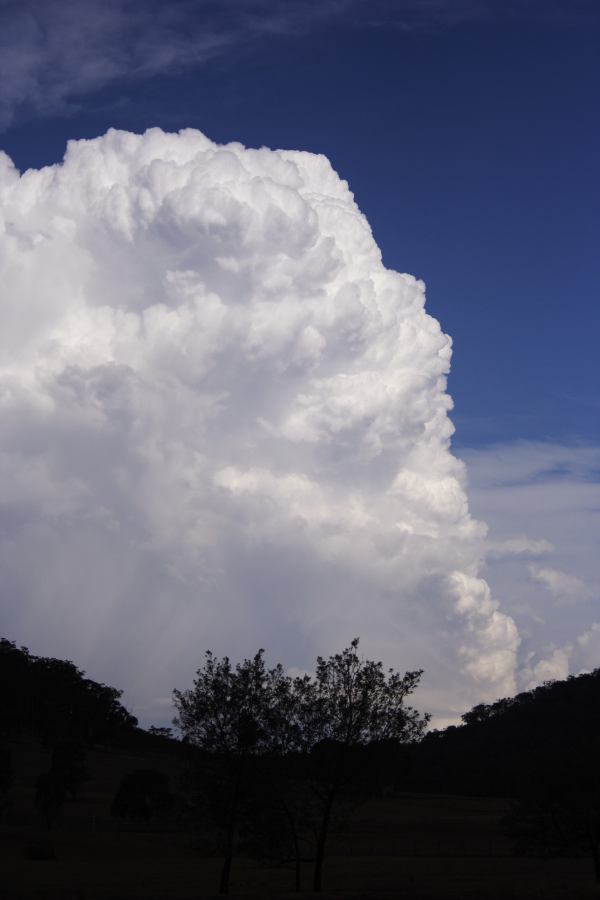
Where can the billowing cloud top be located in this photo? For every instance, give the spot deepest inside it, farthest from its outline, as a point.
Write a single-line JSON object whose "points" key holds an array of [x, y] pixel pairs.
{"points": [[224, 424]]}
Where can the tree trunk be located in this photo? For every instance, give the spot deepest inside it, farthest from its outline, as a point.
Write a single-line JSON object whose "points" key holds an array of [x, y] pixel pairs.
{"points": [[292, 824], [226, 870], [596, 856], [297, 868], [230, 837], [322, 840], [594, 839]]}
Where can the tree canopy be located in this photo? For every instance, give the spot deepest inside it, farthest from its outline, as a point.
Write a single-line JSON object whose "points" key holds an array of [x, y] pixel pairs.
{"points": [[318, 727], [54, 699]]}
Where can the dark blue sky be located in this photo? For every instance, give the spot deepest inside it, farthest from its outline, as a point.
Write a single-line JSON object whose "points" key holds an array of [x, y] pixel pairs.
{"points": [[473, 150]]}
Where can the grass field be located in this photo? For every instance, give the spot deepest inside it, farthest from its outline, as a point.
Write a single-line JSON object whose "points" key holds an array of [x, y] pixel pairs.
{"points": [[406, 846]]}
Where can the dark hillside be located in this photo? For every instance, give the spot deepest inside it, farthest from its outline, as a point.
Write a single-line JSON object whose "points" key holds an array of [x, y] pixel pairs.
{"points": [[441, 818], [504, 748]]}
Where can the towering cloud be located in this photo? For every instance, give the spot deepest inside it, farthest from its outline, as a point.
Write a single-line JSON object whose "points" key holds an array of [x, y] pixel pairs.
{"points": [[223, 424]]}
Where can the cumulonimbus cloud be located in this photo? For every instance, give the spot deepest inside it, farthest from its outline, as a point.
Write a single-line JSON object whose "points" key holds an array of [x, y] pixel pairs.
{"points": [[224, 423]]}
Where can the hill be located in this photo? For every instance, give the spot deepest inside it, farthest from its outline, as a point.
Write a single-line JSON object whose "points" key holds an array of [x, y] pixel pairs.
{"points": [[550, 734], [467, 813]]}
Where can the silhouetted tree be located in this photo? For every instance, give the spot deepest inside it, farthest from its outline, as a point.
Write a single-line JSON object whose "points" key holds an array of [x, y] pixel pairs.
{"points": [[68, 763], [161, 731], [65, 776], [280, 813], [142, 794], [50, 795], [54, 699], [350, 704], [6, 775], [558, 814], [234, 714], [272, 742]]}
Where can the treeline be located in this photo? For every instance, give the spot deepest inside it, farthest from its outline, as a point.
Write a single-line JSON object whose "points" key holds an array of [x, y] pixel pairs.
{"points": [[54, 700], [550, 733]]}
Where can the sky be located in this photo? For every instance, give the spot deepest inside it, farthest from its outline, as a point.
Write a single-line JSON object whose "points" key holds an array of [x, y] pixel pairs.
{"points": [[194, 455]]}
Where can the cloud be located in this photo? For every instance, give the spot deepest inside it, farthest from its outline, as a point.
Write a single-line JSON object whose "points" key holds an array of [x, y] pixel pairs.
{"points": [[53, 55], [224, 424], [560, 584], [518, 546], [552, 667], [542, 499], [586, 649]]}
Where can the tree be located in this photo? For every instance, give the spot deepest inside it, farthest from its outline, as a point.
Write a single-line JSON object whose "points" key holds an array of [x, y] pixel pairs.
{"points": [[270, 741], [234, 714], [50, 795], [277, 824], [142, 794], [559, 812], [65, 776], [6, 775], [54, 699], [68, 764], [351, 704]]}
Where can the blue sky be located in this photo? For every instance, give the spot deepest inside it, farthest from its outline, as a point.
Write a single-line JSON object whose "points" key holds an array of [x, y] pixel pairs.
{"points": [[471, 142], [468, 132]]}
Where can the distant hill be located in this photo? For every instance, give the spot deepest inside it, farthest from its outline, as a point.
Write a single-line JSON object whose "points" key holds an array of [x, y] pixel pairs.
{"points": [[549, 734], [441, 824]]}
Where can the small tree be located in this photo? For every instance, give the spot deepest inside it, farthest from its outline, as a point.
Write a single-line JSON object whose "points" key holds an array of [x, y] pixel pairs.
{"points": [[234, 714], [68, 764], [559, 812], [50, 795], [6, 775], [142, 794], [351, 703]]}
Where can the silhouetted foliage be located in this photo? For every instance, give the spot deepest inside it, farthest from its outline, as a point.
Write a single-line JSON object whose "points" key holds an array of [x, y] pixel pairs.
{"points": [[558, 814], [160, 731], [290, 750], [234, 714], [68, 763], [540, 748], [142, 794], [504, 747], [64, 778], [6, 777], [50, 795], [350, 705], [54, 699]]}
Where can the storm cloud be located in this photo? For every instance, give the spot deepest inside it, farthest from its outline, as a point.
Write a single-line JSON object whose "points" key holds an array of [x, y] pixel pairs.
{"points": [[224, 423]]}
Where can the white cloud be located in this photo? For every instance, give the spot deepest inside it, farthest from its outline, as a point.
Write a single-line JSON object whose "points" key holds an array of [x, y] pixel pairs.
{"points": [[224, 424], [560, 584], [586, 650], [552, 667], [519, 546], [548, 495]]}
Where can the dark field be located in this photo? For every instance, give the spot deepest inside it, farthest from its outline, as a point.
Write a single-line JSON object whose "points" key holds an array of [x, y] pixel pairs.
{"points": [[407, 845]]}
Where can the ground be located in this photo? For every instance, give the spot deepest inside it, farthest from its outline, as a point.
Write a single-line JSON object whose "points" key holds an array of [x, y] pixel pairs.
{"points": [[406, 846]]}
